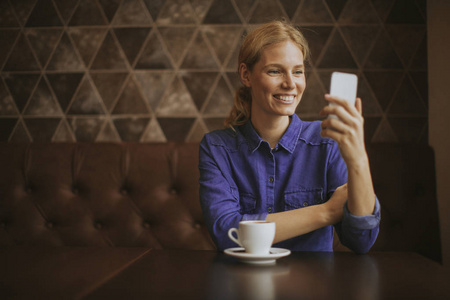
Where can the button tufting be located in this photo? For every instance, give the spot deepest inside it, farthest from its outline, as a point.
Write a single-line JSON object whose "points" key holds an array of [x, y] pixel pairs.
{"points": [[28, 189], [75, 190], [124, 191], [146, 224], [305, 204], [173, 191], [98, 225], [3, 225], [49, 225], [197, 226]]}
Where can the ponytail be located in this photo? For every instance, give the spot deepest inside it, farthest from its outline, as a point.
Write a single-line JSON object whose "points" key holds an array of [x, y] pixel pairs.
{"points": [[241, 112]]}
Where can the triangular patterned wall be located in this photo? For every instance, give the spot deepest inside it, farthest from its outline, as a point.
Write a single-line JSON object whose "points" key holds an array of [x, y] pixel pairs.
{"points": [[151, 71]]}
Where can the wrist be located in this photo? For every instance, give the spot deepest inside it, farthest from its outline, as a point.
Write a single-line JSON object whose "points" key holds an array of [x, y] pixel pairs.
{"points": [[329, 214], [356, 165]]}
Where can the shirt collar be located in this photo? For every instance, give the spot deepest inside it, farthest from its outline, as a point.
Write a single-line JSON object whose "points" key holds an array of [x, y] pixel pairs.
{"points": [[288, 141], [290, 138]]}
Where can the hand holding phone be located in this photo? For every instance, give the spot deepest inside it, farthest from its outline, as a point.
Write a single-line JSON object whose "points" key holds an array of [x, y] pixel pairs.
{"points": [[343, 85]]}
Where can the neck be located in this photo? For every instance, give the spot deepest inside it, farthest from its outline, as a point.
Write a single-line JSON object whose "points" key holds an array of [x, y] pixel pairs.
{"points": [[271, 130]]}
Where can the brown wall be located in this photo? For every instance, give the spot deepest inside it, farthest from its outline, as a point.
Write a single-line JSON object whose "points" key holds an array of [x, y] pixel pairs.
{"points": [[144, 70], [439, 81]]}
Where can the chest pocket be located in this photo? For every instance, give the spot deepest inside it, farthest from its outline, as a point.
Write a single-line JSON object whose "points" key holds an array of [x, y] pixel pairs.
{"points": [[247, 201], [303, 198]]}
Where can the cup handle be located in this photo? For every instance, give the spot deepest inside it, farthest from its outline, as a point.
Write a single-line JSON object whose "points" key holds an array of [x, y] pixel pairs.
{"points": [[230, 235]]}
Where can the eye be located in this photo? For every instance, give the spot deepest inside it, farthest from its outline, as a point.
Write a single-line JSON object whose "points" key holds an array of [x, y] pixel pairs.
{"points": [[274, 71], [299, 72]]}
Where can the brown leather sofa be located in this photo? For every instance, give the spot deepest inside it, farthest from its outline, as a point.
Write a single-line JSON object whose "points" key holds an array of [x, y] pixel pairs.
{"points": [[130, 194]]}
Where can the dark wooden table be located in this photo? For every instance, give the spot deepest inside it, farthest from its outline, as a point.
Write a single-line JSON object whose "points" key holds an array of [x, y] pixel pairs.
{"points": [[137, 273], [60, 272]]}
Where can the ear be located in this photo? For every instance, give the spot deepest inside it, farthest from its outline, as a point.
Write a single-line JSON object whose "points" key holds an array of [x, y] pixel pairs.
{"points": [[244, 75]]}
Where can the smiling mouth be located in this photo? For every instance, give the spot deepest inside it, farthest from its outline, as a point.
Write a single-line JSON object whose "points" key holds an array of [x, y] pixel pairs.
{"points": [[285, 98]]}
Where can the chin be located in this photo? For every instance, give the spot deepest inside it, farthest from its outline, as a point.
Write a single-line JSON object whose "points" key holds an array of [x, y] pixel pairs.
{"points": [[288, 112]]}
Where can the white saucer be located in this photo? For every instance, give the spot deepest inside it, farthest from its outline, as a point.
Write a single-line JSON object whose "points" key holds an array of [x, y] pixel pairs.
{"points": [[270, 258]]}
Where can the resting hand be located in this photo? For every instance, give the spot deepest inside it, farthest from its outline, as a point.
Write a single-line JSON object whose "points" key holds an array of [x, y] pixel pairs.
{"points": [[335, 206], [347, 131]]}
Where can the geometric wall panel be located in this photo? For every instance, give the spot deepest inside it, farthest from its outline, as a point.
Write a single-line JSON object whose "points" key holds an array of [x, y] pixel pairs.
{"points": [[7, 107], [8, 37], [132, 12], [44, 14], [43, 42], [153, 55], [337, 55], [65, 8], [108, 86], [222, 12], [86, 101], [313, 11], [7, 125], [266, 11], [177, 39], [64, 86], [21, 57], [109, 56], [130, 101], [65, 57], [87, 41], [155, 71], [20, 87], [42, 102], [87, 13]]}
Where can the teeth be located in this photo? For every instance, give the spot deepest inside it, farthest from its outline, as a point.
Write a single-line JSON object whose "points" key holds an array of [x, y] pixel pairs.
{"points": [[286, 98]]}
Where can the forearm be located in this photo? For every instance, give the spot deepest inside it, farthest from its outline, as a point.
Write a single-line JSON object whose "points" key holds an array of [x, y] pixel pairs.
{"points": [[361, 195], [300, 221]]}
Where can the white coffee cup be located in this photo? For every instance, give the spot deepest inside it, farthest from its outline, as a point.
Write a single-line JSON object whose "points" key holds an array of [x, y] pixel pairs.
{"points": [[255, 236]]}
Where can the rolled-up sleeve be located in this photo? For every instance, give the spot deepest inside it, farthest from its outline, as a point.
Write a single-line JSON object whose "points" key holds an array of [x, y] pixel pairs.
{"points": [[359, 233]]}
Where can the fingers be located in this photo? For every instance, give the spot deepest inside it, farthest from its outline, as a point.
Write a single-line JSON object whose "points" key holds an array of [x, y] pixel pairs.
{"points": [[358, 105], [337, 100], [336, 110], [341, 106], [335, 124], [348, 128], [343, 138]]}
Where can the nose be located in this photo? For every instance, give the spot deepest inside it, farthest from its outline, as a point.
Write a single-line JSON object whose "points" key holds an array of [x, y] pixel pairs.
{"points": [[288, 82]]}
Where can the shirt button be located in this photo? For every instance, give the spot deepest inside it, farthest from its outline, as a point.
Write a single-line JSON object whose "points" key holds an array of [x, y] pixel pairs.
{"points": [[269, 209], [270, 179]]}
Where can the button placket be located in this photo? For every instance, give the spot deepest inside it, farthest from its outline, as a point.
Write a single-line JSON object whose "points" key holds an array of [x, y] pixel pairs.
{"points": [[270, 186]]}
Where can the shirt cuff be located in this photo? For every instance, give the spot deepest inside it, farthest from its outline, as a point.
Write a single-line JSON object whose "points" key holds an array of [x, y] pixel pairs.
{"points": [[255, 217], [363, 222]]}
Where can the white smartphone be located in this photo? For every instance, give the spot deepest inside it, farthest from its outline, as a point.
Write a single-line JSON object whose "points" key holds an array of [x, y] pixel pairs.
{"points": [[343, 85]]}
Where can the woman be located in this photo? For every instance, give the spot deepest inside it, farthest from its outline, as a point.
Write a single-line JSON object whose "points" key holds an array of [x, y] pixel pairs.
{"points": [[269, 165]]}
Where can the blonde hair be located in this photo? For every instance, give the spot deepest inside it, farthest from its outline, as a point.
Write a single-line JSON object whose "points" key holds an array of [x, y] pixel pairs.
{"points": [[250, 52]]}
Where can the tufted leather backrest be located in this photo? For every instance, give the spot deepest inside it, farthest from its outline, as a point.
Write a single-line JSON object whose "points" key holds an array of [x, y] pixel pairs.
{"points": [[101, 194], [147, 195], [405, 183]]}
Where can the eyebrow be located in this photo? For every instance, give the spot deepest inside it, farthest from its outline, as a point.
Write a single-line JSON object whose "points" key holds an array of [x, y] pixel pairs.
{"points": [[280, 66]]}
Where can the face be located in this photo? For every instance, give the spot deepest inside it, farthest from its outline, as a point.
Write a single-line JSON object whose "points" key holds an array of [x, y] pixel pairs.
{"points": [[277, 81]]}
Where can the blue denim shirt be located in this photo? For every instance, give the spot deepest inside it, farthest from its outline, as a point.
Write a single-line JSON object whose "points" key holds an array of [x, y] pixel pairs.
{"points": [[242, 178]]}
